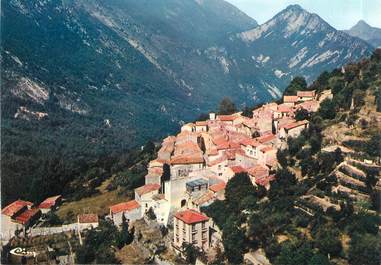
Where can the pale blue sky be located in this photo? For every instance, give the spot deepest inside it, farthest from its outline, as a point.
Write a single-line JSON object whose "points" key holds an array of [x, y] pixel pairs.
{"points": [[341, 14]]}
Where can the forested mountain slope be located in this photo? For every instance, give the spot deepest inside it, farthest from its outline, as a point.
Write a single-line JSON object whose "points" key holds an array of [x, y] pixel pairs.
{"points": [[84, 81]]}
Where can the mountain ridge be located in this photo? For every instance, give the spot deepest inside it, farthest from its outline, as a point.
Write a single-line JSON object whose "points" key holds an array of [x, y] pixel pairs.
{"points": [[107, 76], [364, 31]]}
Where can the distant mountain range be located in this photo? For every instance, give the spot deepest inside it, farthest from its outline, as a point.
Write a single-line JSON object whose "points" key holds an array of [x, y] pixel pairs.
{"points": [[147, 65], [364, 31], [89, 79]]}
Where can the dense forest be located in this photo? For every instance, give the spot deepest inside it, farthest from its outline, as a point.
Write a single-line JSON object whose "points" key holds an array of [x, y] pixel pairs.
{"points": [[251, 217]]}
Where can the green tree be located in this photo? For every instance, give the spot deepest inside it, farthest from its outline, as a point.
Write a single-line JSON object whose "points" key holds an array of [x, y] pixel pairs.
{"points": [[327, 109], [53, 219], [319, 259], [125, 236], [191, 253], [149, 147], [294, 253], [358, 98], [302, 114], [365, 249], [237, 189], [226, 107], [281, 156], [327, 240], [373, 146], [297, 84], [233, 239]]}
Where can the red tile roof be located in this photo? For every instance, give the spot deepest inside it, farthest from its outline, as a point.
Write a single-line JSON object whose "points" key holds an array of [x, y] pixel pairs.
{"points": [[226, 117], [218, 187], [15, 207], [147, 188], [221, 143], [191, 216], [87, 218], [258, 171], [201, 123], [237, 169], [290, 99], [49, 202], [284, 108], [305, 93], [187, 159], [249, 141], [266, 138], [267, 149], [264, 181], [27, 215], [295, 124], [124, 206]]}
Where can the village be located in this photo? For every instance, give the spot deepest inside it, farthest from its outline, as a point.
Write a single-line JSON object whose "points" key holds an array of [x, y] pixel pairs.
{"points": [[190, 172]]}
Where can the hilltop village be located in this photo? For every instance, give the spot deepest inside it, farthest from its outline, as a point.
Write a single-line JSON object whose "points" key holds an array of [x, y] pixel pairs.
{"points": [[191, 171]]}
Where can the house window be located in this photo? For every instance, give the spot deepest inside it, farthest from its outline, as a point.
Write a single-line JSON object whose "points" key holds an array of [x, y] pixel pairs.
{"points": [[193, 228], [203, 225]]}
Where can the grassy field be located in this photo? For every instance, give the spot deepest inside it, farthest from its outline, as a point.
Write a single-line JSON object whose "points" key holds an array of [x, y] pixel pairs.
{"points": [[98, 204]]}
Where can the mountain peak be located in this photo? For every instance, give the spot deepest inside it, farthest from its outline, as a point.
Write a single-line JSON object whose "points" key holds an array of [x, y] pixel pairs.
{"points": [[361, 24], [364, 31], [294, 7]]}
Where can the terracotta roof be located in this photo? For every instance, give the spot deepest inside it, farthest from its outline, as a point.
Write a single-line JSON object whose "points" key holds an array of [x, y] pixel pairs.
{"points": [[311, 105], [252, 123], [158, 197], [27, 215], [49, 202], [87, 218], [187, 159], [155, 170], [305, 93], [124, 206], [217, 161], [221, 143], [264, 181], [237, 169], [290, 99], [258, 171], [230, 154], [267, 149], [284, 108], [226, 117], [204, 198], [218, 187], [295, 124], [147, 188], [266, 138], [201, 123], [249, 141], [191, 216], [212, 151], [14, 207]]}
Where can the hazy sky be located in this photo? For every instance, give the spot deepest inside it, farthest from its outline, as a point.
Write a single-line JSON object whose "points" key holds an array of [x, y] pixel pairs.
{"points": [[341, 14]]}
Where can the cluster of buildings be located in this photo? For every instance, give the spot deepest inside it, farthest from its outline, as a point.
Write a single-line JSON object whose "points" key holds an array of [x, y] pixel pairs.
{"points": [[192, 169], [20, 215]]}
